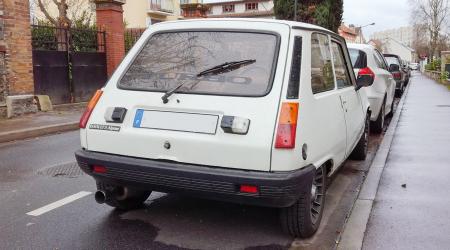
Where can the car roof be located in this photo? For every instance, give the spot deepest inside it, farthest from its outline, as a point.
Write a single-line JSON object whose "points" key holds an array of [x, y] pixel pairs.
{"points": [[292, 24], [392, 55]]}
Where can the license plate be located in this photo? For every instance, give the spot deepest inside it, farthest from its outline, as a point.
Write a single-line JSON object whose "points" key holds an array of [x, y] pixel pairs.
{"points": [[176, 121]]}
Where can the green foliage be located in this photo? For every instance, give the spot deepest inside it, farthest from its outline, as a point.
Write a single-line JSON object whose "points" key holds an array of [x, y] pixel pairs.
{"points": [[325, 13], [434, 65], [44, 36], [83, 35], [445, 75]]}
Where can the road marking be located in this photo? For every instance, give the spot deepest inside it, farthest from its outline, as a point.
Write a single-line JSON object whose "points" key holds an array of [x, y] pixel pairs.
{"points": [[57, 204]]}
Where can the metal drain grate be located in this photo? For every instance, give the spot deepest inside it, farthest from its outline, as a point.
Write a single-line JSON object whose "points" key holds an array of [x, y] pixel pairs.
{"points": [[443, 106], [68, 170]]}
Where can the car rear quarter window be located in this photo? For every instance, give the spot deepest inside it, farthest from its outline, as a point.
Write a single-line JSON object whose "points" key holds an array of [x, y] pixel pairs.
{"points": [[322, 78], [294, 77], [170, 58], [358, 58]]}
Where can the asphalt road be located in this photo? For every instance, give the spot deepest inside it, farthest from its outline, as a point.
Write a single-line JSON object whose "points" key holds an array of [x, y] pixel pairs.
{"points": [[41, 171]]}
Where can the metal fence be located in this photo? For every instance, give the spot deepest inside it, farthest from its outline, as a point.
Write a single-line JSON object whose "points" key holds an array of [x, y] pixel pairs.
{"points": [[69, 65], [67, 39], [131, 37]]}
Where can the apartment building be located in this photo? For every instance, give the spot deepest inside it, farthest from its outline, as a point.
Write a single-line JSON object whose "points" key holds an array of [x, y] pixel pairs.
{"points": [[242, 8], [403, 35]]}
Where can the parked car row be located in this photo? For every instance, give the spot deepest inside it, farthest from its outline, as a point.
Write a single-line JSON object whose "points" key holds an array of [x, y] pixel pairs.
{"points": [[250, 111]]}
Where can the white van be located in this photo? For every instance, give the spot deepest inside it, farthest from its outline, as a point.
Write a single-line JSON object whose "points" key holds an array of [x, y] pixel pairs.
{"points": [[244, 110]]}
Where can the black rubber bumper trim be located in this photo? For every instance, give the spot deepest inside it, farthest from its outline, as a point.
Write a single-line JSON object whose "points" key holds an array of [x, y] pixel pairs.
{"points": [[276, 189]]}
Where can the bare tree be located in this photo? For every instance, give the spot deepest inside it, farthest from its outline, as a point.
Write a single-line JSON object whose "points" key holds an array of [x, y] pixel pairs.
{"points": [[433, 15], [68, 12]]}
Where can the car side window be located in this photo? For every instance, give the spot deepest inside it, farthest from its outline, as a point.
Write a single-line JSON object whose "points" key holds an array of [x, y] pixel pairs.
{"points": [[340, 69], [322, 78], [380, 60]]}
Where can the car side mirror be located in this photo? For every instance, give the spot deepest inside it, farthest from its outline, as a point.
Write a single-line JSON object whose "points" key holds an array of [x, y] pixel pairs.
{"points": [[364, 81], [365, 78], [394, 68]]}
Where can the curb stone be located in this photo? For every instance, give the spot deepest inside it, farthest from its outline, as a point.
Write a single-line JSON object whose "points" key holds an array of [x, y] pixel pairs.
{"points": [[356, 224], [37, 131]]}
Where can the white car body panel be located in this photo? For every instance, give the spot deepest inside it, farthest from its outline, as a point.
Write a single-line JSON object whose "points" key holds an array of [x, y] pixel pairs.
{"points": [[328, 126], [383, 85]]}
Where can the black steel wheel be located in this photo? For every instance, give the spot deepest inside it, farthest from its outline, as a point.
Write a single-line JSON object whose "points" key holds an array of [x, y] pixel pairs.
{"points": [[302, 219]]}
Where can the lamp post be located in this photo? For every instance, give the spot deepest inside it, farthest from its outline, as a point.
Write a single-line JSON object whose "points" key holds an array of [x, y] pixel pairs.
{"points": [[360, 30]]}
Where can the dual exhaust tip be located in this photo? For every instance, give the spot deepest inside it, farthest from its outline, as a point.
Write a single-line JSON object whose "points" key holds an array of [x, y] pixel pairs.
{"points": [[118, 193], [101, 196]]}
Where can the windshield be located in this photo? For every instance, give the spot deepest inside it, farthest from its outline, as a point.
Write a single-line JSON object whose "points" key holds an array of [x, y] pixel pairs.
{"points": [[171, 58], [392, 60]]}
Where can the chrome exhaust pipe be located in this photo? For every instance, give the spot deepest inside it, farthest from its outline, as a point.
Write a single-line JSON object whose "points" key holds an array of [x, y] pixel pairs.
{"points": [[101, 196]]}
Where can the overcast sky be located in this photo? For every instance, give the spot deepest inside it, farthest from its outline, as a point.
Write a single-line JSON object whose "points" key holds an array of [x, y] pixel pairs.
{"points": [[386, 14]]}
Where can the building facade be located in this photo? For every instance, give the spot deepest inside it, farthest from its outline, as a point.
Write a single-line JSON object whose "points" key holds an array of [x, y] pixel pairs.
{"points": [[392, 46], [142, 13], [404, 35], [242, 8], [191, 9]]}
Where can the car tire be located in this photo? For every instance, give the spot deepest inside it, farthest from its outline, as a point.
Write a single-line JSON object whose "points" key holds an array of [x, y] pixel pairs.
{"points": [[378, 125], [302, 219], [134, 201], [399, 92], [360, 151]]}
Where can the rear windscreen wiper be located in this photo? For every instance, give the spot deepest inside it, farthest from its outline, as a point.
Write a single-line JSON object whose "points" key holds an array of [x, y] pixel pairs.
{"points": [[219, 69], [226, 67]]}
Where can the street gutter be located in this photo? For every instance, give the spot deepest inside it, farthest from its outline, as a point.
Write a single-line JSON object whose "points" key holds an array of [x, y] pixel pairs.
{"points": [[355, 227]]}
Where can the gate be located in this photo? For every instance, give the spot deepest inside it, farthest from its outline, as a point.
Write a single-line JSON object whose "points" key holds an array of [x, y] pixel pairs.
{"points": [[68, 64]]}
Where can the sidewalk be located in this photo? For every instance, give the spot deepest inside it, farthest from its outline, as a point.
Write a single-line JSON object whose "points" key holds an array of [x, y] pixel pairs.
{"points": [[411, 209], [62, 118]]}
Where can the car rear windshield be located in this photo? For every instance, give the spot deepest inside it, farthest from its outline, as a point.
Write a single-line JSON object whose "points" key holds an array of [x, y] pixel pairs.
{"points": [[392, 60], [170, 59], [359, 58]]}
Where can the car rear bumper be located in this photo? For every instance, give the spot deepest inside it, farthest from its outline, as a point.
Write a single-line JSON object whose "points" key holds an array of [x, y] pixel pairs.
{"points": [[275, 189]]}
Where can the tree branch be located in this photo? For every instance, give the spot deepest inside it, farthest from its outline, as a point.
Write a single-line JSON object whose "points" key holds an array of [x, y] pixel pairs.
{"points": [[46, 14]]}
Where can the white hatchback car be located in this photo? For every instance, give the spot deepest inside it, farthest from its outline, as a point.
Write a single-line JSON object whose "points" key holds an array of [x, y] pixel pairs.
{"points": [[368, 60], [245, 110]]}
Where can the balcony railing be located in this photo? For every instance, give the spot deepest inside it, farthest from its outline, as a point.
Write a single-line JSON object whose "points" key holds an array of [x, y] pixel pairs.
{"points": [[164, 7]]}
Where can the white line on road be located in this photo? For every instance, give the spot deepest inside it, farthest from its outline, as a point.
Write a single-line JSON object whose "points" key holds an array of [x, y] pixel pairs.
{"points": [[59, 203]]}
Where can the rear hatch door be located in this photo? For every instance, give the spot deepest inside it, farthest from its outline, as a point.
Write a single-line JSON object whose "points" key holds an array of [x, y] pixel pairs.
{"points": [[187, 128]]}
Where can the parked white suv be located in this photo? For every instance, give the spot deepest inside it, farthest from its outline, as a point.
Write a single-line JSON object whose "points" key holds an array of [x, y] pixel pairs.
{"points": [[244, 110], [367, 60]]}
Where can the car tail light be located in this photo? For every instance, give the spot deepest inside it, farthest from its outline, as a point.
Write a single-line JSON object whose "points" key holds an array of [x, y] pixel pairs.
{"points": [[366, 71], [99, 169], [248, 189], [287, 125], [90, 107], [397, 75]]}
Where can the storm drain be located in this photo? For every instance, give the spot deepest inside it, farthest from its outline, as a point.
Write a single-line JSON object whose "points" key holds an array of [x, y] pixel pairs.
{"points": [[443, 106], [69, 170]]}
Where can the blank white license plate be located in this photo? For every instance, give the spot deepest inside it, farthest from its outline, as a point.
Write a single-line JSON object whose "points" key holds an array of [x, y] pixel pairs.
{"points": [[176, 121]]}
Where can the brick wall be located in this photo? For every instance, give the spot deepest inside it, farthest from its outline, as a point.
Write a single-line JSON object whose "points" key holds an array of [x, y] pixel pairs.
{"points": [[110, 19], [16, 43]]}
